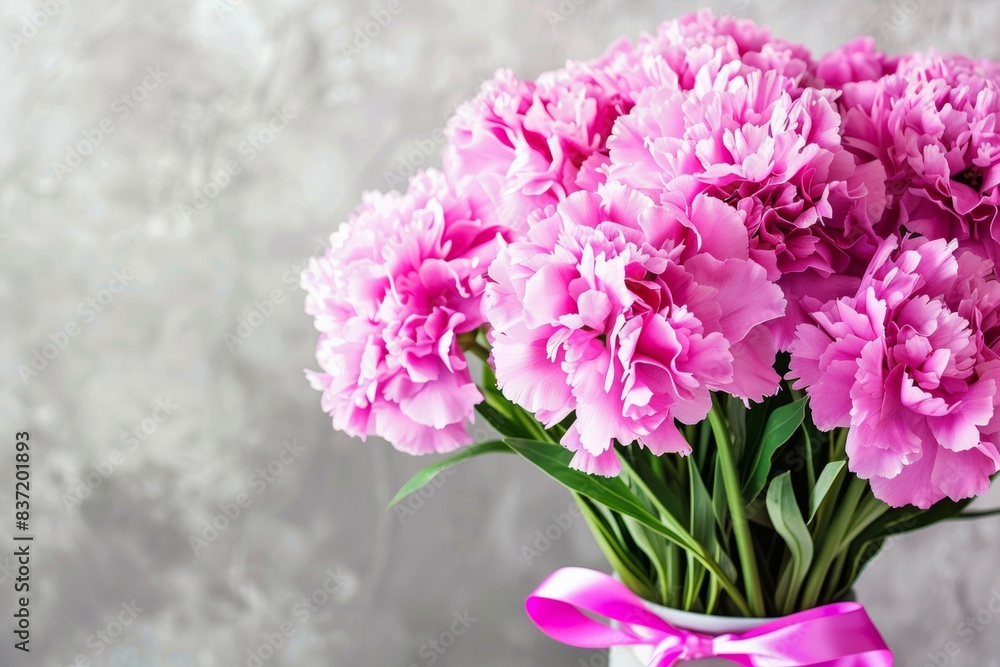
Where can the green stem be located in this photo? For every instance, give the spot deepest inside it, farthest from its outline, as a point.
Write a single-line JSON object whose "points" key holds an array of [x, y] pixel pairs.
{"points": [[734, 495], [828, 506], [838, 568], [688, 542], [672, 575], [871, 510], [840, 449], [810, 466], [533, 425], [518, 414], [833, 541], [636, 478]]}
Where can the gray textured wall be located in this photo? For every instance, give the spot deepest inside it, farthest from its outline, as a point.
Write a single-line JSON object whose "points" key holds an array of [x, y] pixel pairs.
{"points": [[228, 67]]}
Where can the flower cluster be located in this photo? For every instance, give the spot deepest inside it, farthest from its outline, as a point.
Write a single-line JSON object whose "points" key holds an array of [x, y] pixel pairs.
{"points": [[807, 206], [933, 126], [630, 313], [634, 232], [401, 282], [522, 145], [911, 363]]}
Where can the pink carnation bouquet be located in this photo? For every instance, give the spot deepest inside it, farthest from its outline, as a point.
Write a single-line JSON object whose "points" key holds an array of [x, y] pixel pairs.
{"points": [[741, 302]]}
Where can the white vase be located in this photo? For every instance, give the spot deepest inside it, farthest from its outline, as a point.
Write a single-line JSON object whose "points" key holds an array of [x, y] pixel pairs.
{"points": [[640, 656]]}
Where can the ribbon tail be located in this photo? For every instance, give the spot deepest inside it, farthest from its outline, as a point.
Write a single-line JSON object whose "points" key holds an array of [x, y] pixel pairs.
{"points": [[557, 608], [835, 635]]}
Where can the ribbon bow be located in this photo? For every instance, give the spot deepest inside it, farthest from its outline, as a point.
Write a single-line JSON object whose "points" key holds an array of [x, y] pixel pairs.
{"points": [[836, 635]]}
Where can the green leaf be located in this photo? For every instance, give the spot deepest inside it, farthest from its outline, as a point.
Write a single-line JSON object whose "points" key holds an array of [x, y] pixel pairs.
{"points": [[736, 412], [781, 425], [430, 472], [610, 542], [720, 503], [807, 446], [703, 519], [510, 420], [614, 494], [650, 469], [896, 521], [756, 420], [907, 519], [643, 473], [702, 527], [823, 484], [657, 550], [786, 517], [674, 569], [977, 515], [489, 386], [858, 556], [869, 511], [504, 425]]}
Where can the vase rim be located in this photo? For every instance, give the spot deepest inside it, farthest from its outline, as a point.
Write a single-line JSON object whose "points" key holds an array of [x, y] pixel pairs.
{"points": [[708, 623], [711, 624]]}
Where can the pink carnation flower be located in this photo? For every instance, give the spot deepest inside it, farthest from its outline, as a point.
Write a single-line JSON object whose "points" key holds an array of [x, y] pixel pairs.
{"points": [[401, 281], [933, 126], [692, 50], [630, 313], [523, 145], [910, 363], [807, 207], [853, 62]]}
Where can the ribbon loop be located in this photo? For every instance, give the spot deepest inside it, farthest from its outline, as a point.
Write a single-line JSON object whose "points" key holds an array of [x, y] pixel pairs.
{"points": [[836, 635]]}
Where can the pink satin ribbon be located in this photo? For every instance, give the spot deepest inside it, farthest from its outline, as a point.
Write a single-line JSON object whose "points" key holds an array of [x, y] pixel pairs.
{"points": [[836, 635]]}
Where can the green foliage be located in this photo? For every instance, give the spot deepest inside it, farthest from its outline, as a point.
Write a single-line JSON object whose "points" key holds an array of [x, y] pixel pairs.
{"points": [[763, 518], [425, 475], [781, 425]]}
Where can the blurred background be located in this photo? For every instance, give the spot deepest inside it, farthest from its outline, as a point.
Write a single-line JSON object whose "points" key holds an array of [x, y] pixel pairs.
{"points": [[165, 171]]}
